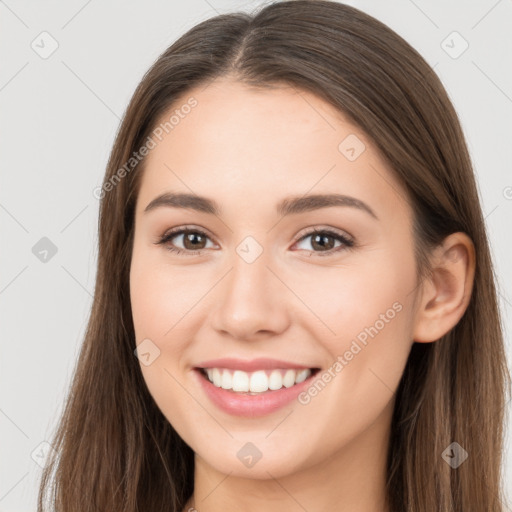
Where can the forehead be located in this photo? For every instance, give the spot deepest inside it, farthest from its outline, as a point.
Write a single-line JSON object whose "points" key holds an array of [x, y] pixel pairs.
{"points": [[241, 142]]}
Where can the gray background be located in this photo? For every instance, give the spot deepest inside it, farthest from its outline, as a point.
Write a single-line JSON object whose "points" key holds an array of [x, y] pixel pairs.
{"points": [[59, 118]]}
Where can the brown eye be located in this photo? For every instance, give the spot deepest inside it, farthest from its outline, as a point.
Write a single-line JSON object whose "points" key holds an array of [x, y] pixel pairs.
{"points": [[320, 241], [323, 242], [192, 240]]}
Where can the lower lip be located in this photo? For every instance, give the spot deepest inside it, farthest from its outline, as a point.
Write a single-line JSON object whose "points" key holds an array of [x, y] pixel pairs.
{"points": [[249, 406]]}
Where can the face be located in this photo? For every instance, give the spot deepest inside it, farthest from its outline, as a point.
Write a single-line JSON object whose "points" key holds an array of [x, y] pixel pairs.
{"points": [[258, 279]]}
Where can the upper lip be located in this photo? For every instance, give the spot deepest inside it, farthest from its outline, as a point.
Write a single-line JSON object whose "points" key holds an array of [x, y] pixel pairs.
{"points": [[262, 363]]}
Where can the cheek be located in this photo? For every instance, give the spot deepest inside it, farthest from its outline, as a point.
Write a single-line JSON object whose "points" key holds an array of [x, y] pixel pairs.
{"points": [[348, 298], [368, 353], [363, 321], [160, 295], [159, 310]]}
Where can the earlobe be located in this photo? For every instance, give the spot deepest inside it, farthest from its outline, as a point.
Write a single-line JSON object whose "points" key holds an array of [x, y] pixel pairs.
{"points": [[446, 295]]}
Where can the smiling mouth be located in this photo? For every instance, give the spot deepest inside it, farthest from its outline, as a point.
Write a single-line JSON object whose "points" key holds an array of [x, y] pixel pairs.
{"points": [[257, 382]]}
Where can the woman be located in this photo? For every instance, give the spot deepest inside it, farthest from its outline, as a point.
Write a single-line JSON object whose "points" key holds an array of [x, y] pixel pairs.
{"points": [[291, 244]]}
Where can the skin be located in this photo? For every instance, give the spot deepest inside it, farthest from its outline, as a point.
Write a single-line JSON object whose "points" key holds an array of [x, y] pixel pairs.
{"points": [[248, 149]]}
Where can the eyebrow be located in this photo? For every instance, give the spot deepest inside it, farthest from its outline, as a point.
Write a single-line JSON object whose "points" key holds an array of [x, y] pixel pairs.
{"points": [[288, 206]]}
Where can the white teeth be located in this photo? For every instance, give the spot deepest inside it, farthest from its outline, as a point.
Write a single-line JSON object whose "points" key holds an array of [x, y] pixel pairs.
{"points": [[302, 376], [240, 381], [275, 380], [216, 377], [259, 381], [226, 381], [289, 378]]}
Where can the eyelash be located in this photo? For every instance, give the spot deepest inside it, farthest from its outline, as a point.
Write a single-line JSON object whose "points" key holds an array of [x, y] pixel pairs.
{"points": [[347, 243]]}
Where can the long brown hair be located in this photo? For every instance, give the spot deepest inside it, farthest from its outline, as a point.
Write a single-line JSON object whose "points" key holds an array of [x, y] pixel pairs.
{"points": [[115, 450]]}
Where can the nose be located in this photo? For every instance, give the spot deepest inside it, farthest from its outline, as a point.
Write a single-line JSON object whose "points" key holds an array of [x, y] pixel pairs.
{"points": [[252, 301]]}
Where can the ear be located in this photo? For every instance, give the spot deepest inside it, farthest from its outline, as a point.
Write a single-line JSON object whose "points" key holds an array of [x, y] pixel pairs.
{"points": [[445, 297]]}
